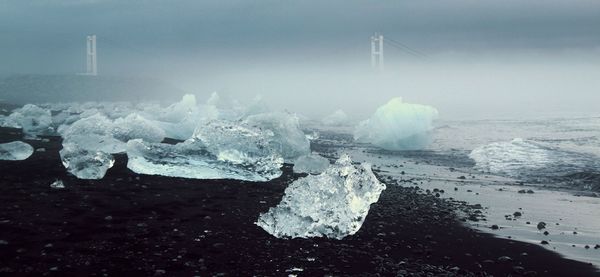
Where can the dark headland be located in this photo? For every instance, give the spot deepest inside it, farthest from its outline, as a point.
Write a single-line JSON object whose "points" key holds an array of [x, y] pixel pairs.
{"points": [[150, 226]]}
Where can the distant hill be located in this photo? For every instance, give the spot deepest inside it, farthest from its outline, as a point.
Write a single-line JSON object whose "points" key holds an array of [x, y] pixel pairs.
{"points": [[21, 89]]}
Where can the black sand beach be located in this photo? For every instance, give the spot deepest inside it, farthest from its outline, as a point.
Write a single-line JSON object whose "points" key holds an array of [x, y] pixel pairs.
{"points": [[151, 225]]}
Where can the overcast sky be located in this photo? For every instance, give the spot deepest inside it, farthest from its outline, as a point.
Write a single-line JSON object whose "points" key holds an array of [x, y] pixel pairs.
{"points": [[231, 45]]}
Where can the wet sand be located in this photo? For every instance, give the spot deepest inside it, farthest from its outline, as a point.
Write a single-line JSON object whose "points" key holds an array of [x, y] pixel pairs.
{"points": [[150, 225]]}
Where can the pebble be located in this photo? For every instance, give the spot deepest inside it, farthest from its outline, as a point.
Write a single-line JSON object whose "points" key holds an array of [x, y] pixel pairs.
{"points": [[541, 225], [504, 259]]}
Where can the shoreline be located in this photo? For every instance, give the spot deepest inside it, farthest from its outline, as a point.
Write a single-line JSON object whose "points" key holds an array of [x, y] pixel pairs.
{"points": [[136, 224]]}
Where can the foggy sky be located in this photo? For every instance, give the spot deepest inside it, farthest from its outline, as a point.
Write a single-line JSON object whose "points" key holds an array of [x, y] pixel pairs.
{"points": [[483, 57]]}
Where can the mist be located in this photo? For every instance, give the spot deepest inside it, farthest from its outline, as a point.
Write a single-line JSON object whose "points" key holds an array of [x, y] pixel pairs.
{"points": [[474, 60]]}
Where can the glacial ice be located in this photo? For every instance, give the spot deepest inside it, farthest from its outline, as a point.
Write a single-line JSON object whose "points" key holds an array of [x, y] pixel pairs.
{"points": [[288, 138], [180, 120], [191, 159], [99, 133], [248, 138], [337, 118], [58, 184], [33, 119], [135, 126], [179, 111], [312, 164], [218, 150], [15, 151], [93, 133], [333, 204], [85, 164], [398, 126]]}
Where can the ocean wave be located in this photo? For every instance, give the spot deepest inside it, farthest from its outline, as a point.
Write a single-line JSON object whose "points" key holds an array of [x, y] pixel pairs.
{"points": [[532, 160]]}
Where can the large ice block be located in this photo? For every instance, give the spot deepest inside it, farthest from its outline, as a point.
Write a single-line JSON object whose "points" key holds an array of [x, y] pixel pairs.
{"points": [[398, 126], [333, 204]]}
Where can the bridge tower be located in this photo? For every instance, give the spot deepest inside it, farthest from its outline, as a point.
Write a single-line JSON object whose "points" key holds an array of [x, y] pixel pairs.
{"points": [[377, 51], [92, 61]]}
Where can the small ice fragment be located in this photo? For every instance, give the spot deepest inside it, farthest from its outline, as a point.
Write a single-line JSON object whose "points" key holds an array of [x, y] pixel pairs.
{"points": [[58, 184], [312, 164], [15, 151], [333, 204]]}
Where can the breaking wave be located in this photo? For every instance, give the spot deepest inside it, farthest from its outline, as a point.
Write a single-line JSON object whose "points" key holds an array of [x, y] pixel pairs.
{"points": [[532, 160]]}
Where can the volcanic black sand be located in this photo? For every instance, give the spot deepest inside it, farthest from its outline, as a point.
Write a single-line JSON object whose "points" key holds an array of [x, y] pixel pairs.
{"points": [[150, 225]]}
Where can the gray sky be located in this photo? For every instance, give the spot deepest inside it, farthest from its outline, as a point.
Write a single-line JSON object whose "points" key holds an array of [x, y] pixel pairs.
{"points": [[477, 50]]}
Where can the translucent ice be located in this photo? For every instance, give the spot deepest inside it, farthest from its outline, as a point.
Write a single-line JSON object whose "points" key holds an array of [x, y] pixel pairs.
{"points": [[58, 184], [181, 110], [288, 138], [191, 159], [135, 126], [99, 133], [398, 126], [15, 151], [85, 164], [33, 119], [333, 204], [313, 164], [181, 119], [93, 133]]}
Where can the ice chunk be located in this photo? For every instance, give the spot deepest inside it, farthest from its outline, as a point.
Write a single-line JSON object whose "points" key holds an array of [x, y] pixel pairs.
{"points": [[93, 133], [135, 126], [338, 118], [191, 159], [398, 126], [217, 150], [85, 164], [181, 119], [98, 133], [58, 184], [181, 110], [333, 204], [288, 138], [33, 119], [313, 164], [15, 151]]}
